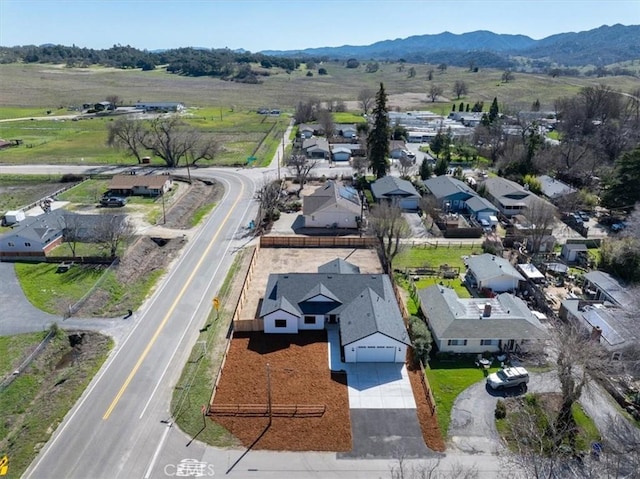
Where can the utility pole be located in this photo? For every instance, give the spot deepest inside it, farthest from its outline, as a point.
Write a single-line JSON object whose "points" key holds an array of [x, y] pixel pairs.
{"points": [[164, 213]]}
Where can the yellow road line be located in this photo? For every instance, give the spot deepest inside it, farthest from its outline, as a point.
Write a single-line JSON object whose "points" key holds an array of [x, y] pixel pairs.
{"points": [[169, 313]]}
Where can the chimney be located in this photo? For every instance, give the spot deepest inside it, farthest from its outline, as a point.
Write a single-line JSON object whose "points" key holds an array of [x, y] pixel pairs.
{"points": [[596, 333], [487, 310]]}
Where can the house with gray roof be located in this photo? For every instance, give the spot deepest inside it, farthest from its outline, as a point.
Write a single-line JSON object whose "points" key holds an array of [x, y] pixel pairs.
{"points": [[510, 198], [604, 287], [370, 323], [450, 193], [339, 266], [33, 237], [317, 148], [487, 271], [396, 190], [332, 205], [554, 189], [481, 208], [475, 325]]}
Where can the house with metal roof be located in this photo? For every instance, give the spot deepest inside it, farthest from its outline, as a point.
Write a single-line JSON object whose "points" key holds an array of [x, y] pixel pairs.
{"points": [[555, 189], [370, 323], [396, 190], [475, 325], [450, 193], [332, 206], [604, 287], [487, 271]]}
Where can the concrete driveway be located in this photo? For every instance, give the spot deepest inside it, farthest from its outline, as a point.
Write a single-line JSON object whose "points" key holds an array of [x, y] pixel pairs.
{"points": [[384, 421], [414, 220]]}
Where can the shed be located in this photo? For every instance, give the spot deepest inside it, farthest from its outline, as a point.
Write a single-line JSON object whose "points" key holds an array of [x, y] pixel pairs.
{"points": [[571, 251]]}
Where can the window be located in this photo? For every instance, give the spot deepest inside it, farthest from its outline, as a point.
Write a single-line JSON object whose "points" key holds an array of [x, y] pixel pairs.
{"points": [[27, 244], [457, 342], [309, 320], [10, 243], [486, 342], [281, 323]]}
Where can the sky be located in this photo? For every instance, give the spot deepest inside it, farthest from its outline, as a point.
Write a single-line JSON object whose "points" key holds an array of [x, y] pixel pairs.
{"points": [[258, 25]]}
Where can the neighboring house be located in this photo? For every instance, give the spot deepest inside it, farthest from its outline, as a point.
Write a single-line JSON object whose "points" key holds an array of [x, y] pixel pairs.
{"points": [[571, 251], [347, 131], [492, 272], [481, 208], [162, 106], [332, 205], [317, 148], [510, 198], [104, 106], [450, 193], [371, 325], [396, 190], [475, 325], [307, 130], [604, 287], [616, 328], [33, 237], [143, 185], [340, 153], [554, 189], [397, 149]]}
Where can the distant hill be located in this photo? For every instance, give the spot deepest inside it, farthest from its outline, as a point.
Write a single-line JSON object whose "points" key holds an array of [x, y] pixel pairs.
{"points": [[600, 46]]}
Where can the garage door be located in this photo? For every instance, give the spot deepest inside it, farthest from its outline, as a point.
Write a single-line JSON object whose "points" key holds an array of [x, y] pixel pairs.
{"points": [[376, 354]]}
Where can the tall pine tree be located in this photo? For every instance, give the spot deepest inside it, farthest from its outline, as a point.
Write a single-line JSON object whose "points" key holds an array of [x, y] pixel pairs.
{"points": [[378, 140], [493, 110]]}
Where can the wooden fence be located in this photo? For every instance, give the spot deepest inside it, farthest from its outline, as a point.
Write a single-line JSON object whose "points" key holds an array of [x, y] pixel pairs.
{"points": [[427, 389], [262, 410], [317, 242]]}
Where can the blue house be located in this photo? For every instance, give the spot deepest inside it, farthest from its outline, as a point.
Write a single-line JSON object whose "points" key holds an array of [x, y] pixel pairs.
{"points": [[450, 193]]}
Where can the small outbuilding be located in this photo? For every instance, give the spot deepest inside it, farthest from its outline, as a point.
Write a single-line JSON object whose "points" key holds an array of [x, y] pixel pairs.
{"points": [[571, 251]]}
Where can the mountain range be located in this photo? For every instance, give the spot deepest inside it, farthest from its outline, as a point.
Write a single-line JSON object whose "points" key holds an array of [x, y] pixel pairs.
{"points": [[598, 47]]}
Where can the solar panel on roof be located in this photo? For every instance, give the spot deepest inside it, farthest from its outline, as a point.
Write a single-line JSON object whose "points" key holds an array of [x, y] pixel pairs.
{"points": [[349, 193]]}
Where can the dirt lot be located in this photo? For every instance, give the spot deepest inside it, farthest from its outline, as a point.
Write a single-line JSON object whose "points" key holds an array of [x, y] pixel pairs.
{"points": [[300, 375], [146, 256], [301, 260]]}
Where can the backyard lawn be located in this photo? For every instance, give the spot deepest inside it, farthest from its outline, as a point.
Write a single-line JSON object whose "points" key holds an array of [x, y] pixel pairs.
{"points": [[433, 257]]}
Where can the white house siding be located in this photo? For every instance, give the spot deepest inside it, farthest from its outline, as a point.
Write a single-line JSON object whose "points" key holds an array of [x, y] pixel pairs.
{"points": [[382, 344], [14, 246], [322, 219], [319, 324], [270, 323], [500, 284], [473, 346]]}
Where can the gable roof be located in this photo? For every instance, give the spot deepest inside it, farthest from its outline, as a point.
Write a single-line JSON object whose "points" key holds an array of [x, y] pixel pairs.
{"points": [[507, 191], [316, 144], [610, 286], [339, 266], [365, 302], [462, 318], [445, 186], [487, 266], [553, 188], [391, 186], [478, 203], [42, 228], [330, 195], [369, 313], [128, 182], [397, 144]]}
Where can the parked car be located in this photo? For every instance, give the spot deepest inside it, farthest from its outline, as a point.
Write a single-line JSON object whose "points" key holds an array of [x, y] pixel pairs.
{"points": [[618, 226], [508, 378], [584, 216], [113, 201]]}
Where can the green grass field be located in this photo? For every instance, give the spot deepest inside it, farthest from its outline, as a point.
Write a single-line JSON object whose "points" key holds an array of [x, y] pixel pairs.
{"points": [[433, 257], [13, 349]]}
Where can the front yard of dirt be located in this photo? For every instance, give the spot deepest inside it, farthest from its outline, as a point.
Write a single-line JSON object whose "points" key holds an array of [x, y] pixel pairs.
{"points": [[299, 375]]}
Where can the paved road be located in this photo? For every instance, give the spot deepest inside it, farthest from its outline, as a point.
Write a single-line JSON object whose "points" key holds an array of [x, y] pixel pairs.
{"points": [[115, 429]]}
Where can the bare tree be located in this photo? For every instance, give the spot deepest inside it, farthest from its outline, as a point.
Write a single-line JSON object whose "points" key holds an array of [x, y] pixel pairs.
{"points": [[507, 76], [113, 231], [325, 119], [129, 135], [405, 166], [268, 197], [72, 226], [389, 227], [366, 97], [113, 99], [434, 92], [621, 448], [460, 88], [541, 216], [304, 112], [300, 166], [429, 469], [360, 164]]}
